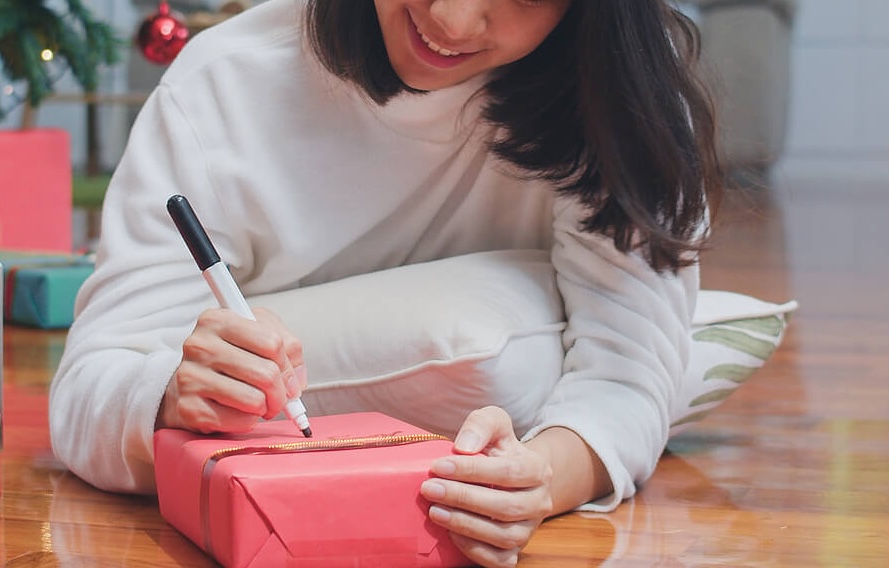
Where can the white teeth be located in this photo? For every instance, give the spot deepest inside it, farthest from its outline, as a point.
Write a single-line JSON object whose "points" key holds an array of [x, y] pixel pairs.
{"points": [[437, 48]]}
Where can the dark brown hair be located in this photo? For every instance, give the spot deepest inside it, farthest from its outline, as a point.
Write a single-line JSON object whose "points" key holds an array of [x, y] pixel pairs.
{"points": [[609, 108]]}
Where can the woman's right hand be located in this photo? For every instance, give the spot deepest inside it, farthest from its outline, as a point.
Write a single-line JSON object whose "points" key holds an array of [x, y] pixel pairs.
{"points": [[234, 371]]}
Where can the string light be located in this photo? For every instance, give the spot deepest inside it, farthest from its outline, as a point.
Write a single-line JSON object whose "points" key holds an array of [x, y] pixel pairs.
{"points": [[47, 55]]}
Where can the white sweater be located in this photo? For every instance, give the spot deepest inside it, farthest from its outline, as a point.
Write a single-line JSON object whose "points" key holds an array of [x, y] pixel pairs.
{"points": [[300, 180]]}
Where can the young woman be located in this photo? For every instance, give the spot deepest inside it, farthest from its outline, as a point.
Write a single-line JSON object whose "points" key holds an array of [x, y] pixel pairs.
{"points": [[324, 139]]}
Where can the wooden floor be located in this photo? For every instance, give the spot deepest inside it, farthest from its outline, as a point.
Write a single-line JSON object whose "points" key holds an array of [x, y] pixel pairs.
{"points": [[792, 470]]}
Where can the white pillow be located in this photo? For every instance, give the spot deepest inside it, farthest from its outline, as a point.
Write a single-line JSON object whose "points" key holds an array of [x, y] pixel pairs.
{"points": [[426, 343]]}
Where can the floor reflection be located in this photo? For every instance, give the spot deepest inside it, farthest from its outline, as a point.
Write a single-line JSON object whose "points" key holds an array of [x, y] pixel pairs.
{"points": [[89, 524], [682, 518]]}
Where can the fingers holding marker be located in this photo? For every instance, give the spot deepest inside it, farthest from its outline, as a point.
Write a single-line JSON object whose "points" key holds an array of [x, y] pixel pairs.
{"points": [[277, 347]]}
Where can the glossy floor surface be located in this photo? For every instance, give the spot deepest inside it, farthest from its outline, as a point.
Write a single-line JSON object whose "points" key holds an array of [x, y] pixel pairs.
{"points": [[792, 470]]}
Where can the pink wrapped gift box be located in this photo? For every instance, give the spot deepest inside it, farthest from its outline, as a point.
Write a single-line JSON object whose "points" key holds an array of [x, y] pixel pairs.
{"points": [[349, 496]]}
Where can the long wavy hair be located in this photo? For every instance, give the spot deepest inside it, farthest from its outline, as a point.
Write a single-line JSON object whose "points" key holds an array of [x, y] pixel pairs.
{"points": [[609, 108]]}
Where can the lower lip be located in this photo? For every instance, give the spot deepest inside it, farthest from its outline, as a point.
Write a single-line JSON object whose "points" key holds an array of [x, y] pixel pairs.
{"points": [[427, 55]]}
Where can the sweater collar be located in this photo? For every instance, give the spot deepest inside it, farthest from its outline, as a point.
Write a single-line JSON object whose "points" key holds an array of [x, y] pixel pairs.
{"points": [[440, 116]]}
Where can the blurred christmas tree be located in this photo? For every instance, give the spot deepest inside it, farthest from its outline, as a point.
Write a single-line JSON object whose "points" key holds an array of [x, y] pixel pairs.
{"points": [[41, 40]]}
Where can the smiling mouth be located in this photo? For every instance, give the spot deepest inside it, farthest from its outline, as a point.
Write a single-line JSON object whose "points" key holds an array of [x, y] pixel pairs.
{"points": [[435, 47], [430, 52]]}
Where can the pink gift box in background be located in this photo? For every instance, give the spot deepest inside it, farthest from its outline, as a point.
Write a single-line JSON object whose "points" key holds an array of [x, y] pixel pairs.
{"points": [[349, 496], [35, 190]]}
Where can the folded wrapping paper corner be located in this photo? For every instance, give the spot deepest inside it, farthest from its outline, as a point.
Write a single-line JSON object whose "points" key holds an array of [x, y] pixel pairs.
{"points": [[40, 289], [273, 497]]}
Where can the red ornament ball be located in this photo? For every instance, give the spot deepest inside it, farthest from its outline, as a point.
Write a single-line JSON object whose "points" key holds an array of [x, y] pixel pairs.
{"points": [[162, 35]]}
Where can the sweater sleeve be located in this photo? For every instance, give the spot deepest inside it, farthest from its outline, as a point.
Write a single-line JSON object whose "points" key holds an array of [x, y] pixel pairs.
{"points": [[134, 312], [626, 347]]}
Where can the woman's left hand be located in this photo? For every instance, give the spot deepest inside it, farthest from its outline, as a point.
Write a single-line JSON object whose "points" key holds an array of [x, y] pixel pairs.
{"points": [[494, 493]]}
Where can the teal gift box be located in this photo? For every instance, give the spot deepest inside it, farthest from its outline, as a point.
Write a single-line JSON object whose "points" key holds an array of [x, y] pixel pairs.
{"points": [[40, 289]]}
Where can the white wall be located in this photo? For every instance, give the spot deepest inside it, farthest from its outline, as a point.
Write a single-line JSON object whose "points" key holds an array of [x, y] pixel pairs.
{"points": [[839, 110]]}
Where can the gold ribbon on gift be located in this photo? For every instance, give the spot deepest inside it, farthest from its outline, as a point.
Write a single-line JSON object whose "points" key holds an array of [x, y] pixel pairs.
{"points": [[326, 445]]}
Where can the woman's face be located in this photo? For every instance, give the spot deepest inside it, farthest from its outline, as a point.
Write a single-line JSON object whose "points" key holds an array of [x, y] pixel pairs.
{"points": [[433, 44]]}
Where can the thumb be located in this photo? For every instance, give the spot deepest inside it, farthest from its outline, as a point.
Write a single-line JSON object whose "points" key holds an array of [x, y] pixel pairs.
{"points": [[483, 428]]}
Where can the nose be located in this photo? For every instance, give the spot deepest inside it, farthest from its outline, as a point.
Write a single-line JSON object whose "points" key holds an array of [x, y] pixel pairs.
{"points": [[460, 20]]}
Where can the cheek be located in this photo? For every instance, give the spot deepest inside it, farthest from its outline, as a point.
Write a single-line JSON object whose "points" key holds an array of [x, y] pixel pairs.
{"points": [[388, 16]]}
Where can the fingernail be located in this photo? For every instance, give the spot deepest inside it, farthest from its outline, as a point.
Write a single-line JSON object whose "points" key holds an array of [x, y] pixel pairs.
{"points": [[432, 489], [468, 441], [444, 467], [439, 514]]}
